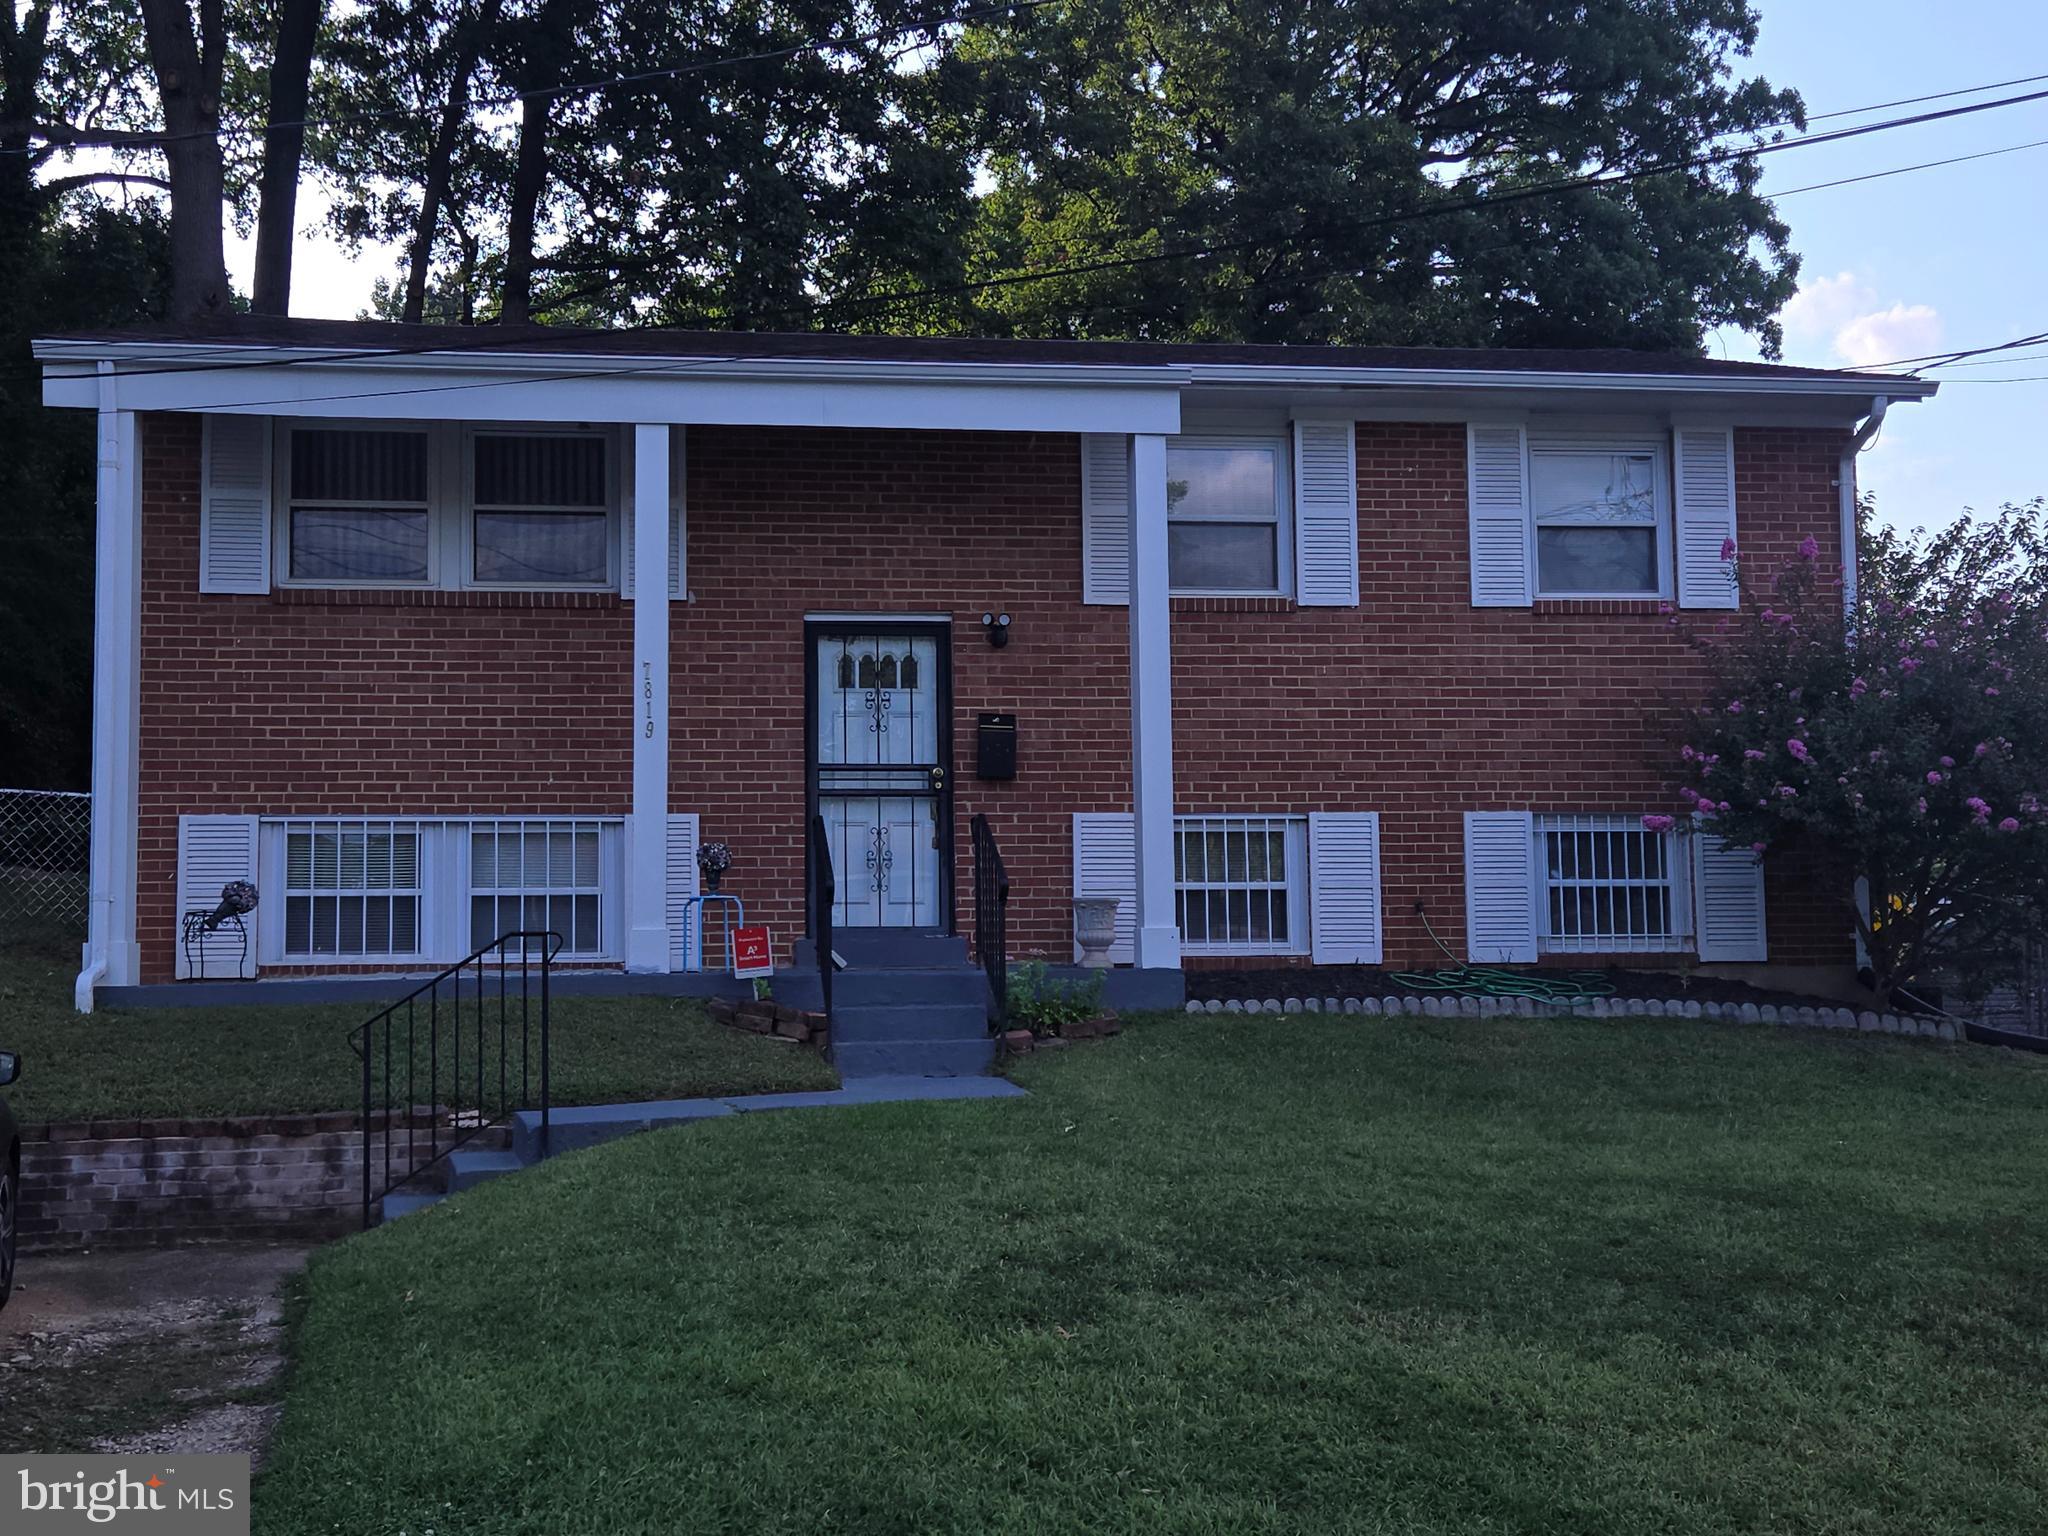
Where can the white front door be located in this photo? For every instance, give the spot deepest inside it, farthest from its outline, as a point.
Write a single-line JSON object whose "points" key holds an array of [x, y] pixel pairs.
{"points": [[881, 785]]}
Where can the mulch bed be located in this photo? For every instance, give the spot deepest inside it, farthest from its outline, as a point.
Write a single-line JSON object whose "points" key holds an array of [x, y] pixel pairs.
{"points": [[1340, 981]]}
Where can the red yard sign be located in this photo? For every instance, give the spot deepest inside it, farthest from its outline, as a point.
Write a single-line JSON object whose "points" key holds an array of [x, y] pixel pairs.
{"points": [[750, 952]]}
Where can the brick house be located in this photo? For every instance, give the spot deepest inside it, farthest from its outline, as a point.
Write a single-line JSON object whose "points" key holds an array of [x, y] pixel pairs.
{"points": [[1306, 655]]}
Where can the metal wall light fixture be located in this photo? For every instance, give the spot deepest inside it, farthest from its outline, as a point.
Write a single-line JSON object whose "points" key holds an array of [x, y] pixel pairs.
{"points": [[997, 627]]}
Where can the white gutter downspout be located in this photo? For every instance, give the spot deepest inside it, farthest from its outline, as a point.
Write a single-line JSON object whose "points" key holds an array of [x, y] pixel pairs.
{"points": [[109, 950], [1846, 479]]}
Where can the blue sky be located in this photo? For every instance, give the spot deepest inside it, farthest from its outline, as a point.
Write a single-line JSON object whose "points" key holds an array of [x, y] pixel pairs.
{"points": [[1951, 257]]}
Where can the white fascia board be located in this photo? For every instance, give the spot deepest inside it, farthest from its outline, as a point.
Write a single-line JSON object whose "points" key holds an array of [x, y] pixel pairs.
{"points": [[1899, 388], [653, 392]]}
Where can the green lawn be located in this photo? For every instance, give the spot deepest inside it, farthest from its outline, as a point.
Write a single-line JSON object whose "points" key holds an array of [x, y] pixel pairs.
{"points": [[162, 1062], [1232, 1275]]}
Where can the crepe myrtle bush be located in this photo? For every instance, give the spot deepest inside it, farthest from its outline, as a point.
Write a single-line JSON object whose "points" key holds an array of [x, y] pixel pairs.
{"points": [[1908, 740]]}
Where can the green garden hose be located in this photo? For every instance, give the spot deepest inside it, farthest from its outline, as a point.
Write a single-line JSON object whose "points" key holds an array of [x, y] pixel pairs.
{"points": [[1492, 981]]}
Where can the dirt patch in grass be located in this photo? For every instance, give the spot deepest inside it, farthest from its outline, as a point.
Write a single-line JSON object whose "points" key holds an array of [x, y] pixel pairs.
{"points": [[176, 1350]]}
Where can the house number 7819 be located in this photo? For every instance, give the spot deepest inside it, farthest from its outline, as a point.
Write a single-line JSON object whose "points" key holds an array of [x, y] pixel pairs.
{"points": [[647, 694]]}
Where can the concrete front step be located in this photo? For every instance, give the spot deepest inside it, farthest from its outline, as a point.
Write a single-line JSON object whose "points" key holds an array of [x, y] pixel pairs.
{"points": [[913, 1058], [887, 949], [952, 984], [404, 1202], [470, 1167], [908, 1021]]}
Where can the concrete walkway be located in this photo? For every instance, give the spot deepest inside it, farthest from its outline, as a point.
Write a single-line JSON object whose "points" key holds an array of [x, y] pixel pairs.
{"points": [[587, 1125]]}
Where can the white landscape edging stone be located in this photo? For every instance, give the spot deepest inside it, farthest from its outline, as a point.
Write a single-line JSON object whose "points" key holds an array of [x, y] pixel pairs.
{"points": [[1457, 1005]]}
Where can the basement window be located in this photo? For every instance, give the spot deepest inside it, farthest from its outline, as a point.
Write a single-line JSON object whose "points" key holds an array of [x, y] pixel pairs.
{"points": [[1611, 887], [1240, 884], [352, 890], [536, 876]]}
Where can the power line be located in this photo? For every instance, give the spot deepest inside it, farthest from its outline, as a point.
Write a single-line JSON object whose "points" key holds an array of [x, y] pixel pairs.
{"points": [[1485, 200], [1941, 359], [1924, 165]]}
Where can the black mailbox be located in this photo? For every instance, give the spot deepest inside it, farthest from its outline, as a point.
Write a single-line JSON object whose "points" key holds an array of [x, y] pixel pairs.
{"points": [[995, 746]]}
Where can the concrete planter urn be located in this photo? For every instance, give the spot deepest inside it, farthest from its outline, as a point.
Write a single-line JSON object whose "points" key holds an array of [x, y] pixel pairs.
{"points": [[1095, 929]]}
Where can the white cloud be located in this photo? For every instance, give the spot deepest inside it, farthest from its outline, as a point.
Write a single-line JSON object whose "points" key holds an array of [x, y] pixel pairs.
{"points": [[1886, 336], [1822, 307], [1843, 316]]}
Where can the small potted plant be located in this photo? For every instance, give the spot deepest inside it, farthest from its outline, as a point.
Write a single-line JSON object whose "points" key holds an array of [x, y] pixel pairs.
{"points": [[713, 860]]}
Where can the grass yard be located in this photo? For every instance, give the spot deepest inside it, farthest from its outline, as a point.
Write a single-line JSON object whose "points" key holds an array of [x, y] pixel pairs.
{"points": [[1232, 1275], [164, 1062]]}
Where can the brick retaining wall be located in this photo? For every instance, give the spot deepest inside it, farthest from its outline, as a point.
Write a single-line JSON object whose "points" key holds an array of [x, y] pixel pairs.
{"points": [[133, 1183]]}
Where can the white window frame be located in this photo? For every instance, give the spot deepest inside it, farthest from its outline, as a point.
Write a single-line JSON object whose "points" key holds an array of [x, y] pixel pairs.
{"points": [[451, 508], [1677, 880], [1295, 886], [1560, 442], [465, 533], [442, 931], [609, 891], [274, 851], [1283, 508], [281, 500]]}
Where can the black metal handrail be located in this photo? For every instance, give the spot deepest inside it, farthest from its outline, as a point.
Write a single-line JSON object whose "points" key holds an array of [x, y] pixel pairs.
{"points": [[824, 891], [991, 918], [419, 1043]]}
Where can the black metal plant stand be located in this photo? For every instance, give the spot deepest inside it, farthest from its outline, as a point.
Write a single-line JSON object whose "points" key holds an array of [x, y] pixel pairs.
{"points": [[194, 934]]}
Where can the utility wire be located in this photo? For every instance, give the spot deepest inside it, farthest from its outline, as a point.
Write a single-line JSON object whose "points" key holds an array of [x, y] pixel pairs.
{"points": [[1924, 165], [1435, 210]]}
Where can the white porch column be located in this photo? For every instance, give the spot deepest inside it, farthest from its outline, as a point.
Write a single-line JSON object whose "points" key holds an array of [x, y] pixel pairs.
{"points": [[111, 956], [1152, 707], [647, 828]]}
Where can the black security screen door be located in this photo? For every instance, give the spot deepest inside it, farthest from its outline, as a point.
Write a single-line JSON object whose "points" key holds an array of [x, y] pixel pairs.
{"points": [[881, 771]]}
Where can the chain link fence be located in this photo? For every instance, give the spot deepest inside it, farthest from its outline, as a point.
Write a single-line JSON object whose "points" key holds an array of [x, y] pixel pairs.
{"points": [[45, 836]]}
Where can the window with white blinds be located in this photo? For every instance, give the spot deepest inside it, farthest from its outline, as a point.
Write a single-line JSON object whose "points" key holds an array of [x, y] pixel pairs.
{"points": [[537, 876], [351, 890], [540, 509], [1610, 887], [1240, 884]]}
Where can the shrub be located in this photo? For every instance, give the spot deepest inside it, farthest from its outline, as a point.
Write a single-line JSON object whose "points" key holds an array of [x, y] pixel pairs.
{"points": [[1046, 1004]]}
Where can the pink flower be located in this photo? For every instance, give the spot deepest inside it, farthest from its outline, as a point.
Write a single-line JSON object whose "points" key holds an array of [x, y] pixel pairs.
{"points": [[1920, 805], [1756, 847], [1979, 809], [2010, 824], [1727, 549], [1990, 693], [1787, 792], [1689, 795], [1858, 687], [1909, 664], [1809, 548], [1933, 777], [1687, 753], [1659, 823], [1983, 749], [1735, 706], [1930, 644], [1753, 755], [1798, 749], [1948, 762]]}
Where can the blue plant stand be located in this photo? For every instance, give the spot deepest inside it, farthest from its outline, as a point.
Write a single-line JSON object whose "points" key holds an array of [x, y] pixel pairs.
{"points": [[732, 914]]}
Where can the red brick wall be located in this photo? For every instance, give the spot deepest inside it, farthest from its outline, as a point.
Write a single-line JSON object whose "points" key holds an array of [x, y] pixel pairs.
{"points": [[1414, 704], [334, 703], [787, 523]]}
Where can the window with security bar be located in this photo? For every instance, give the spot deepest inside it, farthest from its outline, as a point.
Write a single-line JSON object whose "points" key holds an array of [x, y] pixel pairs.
{"points": [[1610, 886], [1240, 883], [535, 876], [352, 888]]}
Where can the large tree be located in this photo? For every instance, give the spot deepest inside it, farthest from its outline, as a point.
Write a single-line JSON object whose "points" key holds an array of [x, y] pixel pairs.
{"points": [[1321, 155]]}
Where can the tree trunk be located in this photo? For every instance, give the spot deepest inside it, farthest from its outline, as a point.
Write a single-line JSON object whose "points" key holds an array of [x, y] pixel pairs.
{"points": [[284, 142], [529, 175], [467, 48], [188, 75]]}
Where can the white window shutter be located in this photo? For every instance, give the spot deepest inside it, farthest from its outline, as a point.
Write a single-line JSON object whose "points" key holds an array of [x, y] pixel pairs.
{"points": [[234, 504], [1106, 864], [677, 485], [1497, 476], [1705, 480], [1326, 514], [1105, 518], [1344, 887], [212, 850], [1727, 899], [682, 885], [1500, 887]]}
